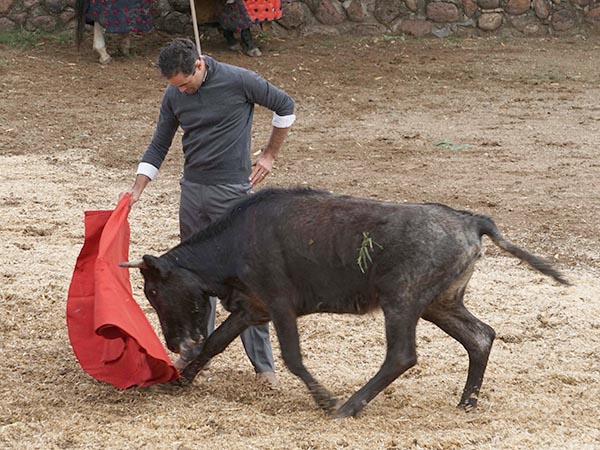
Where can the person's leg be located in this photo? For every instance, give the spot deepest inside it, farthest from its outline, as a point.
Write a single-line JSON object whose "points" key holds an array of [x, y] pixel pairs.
{"points": [[193, 216], [191, 220], [258, 348], [99, 44], [125, 44], [232, 43], [256, 341], [248, 44]]}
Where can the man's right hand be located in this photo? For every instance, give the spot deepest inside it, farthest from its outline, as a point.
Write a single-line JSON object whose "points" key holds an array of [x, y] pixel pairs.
{"points": [[141, 181]]}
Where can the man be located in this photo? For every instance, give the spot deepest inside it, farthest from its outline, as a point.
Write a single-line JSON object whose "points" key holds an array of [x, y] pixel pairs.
{"points": [[213, 103]]}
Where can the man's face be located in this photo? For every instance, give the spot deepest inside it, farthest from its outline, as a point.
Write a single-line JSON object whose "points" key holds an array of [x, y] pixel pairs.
{"points": [[189, 84]]}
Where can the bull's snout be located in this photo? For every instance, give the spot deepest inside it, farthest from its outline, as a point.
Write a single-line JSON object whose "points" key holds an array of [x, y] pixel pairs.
{"points": [[188, 350]]}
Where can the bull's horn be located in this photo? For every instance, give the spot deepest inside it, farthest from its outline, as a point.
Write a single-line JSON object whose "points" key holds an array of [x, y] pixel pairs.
{"points": [[138, 264]]}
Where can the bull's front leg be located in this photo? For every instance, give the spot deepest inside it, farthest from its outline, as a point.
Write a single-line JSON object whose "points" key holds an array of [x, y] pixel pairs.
{"points": [[287, 333], [401, 355], [218, 341]]}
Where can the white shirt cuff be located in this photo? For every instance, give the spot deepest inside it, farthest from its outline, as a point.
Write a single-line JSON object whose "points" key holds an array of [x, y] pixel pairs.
{"points": [[283, 121], [147, 169]]}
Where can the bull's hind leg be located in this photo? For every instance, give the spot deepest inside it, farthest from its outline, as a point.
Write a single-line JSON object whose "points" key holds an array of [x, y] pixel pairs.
{"points": [[401, 355], [286, 326], [450, 314]]}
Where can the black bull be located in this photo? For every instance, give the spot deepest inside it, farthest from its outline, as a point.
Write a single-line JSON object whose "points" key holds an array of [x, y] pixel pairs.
{"points": [[281, 254]]}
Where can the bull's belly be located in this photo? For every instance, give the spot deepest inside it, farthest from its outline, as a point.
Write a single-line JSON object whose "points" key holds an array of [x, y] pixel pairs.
{"points": [[342, 304]]}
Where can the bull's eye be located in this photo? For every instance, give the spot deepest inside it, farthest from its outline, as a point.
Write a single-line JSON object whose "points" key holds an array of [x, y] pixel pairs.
{"points": [[153, 292]]}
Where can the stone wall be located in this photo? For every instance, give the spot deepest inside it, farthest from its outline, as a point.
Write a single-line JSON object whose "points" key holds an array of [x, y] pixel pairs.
{"points": [[394, 17]]}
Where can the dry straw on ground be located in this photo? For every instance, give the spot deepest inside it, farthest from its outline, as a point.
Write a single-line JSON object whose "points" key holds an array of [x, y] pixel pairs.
{"points": [[524, 121]]}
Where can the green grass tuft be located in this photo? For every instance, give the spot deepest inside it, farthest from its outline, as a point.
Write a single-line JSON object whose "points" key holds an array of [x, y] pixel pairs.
{"points": [[24, 39]]}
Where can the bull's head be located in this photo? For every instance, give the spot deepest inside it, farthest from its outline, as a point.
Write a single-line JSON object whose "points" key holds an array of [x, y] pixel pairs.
{"points": [[181, 302]]}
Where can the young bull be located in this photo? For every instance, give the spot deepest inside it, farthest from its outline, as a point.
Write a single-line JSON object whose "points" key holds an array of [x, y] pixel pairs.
{"points": [[281, 254]]}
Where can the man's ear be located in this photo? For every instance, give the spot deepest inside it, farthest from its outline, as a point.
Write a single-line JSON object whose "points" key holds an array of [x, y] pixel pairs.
{"points": [[159, 265]]}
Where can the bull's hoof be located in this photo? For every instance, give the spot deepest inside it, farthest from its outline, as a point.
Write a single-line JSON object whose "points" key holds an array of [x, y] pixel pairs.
{"points": [[469, 404], [345, 411], [191, 371], [329, 405], [188, 375], [180, 382], [323, 398]]}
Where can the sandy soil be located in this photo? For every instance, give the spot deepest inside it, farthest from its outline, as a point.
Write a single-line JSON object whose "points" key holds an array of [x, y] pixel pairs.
{"points": [[508, 128]]}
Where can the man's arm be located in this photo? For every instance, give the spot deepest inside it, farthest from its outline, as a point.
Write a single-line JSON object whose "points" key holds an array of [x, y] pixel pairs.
{"points": [[263, 166], [157, 150], [260, 91], [141, 181]]}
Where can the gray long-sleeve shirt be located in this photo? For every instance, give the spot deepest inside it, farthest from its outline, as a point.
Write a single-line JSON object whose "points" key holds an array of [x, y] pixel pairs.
{"points": [[216, 123]]}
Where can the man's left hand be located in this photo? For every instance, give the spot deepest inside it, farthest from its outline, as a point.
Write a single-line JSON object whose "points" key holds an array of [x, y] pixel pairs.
{"points": [[261, 168]]}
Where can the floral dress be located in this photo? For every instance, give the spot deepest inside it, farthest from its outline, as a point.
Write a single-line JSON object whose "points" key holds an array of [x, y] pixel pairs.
{"points": [[121, 16]]}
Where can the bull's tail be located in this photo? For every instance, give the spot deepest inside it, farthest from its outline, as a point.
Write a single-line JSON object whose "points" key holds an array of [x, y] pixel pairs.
{"points": [[489, 228], [80, 7]]}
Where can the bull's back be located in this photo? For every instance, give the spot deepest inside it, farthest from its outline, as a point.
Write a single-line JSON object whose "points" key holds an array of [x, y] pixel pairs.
{"points": [[338, 231], [341, 254]]}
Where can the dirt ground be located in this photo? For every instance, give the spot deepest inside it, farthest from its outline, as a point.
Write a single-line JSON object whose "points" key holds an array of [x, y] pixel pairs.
{"points": [[508, 128]]}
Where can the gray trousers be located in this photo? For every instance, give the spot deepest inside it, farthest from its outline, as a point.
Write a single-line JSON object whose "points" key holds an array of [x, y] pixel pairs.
{"points": [[200, 205]]}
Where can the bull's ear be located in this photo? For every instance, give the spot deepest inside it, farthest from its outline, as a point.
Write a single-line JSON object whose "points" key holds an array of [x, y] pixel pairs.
{"points": [[153, 263]]}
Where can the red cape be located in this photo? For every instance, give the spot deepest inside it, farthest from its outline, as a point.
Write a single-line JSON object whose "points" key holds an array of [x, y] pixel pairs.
{"points": [[109, 333]]}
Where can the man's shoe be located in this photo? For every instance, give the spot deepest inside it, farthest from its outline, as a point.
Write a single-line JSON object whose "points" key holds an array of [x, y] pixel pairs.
{"points": [[253, 52], [267, 378]]}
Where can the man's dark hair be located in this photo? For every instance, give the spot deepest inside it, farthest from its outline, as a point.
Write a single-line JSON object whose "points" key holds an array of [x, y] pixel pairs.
{"points": [[178, 56]]}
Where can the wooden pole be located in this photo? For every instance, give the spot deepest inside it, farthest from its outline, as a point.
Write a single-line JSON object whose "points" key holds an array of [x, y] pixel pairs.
{"points": [[195, 23]]}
